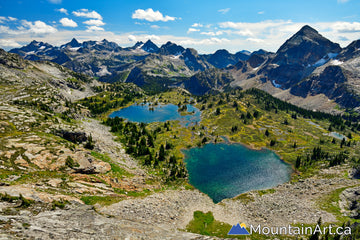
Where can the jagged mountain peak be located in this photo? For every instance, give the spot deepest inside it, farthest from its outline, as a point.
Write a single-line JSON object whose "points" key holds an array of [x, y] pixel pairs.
{"points": [[306, 46], [171, 49], [37, 44], [34, 42], [150, 47], [11, 60], [307, 30], [74, 43], [138, 44], [149, 42], [354, 44], [168, 43], [310, 35], [222, 51], [31, 48], [260, 52], [351, 51], [245, 52], [191, 51]]}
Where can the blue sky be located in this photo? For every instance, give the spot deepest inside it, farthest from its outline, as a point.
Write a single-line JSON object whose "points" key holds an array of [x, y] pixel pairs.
{"points": [[204, 25]]}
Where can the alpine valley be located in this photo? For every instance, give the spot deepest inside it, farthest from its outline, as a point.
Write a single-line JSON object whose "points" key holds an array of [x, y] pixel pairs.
{"points": [[71, 168], [308, 70]]}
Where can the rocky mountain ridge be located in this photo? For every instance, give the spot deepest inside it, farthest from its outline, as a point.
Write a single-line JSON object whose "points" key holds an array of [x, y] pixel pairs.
{"points": [[307, 70], [107, 60], [48, 175]]}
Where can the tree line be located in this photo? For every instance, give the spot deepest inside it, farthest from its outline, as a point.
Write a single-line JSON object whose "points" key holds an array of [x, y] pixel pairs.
{"points": [[140, 143]]}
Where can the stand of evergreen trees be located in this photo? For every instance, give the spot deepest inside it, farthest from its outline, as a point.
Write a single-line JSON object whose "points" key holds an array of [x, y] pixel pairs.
{"points": [[139, 142], [318, 154], [272, 103], [117, 95]]}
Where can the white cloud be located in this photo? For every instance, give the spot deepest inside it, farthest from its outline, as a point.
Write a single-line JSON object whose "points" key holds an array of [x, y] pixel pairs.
{"points": [[155, 26], [151, 15], [9, 43], [346, 27], [87, 14], [210, 41], [66, 22], [190, 30], [7, 30], [6, 19], [259, 29], [132, 38], [224, 11], [63, 10], [245, 32], [255, 40], [94, 22], [152, 37], [55, 1], [269, 35], [256, 26], [212, 33], [38, 27], [197, 25], [94, 29], [261, 12], [342, 1]]}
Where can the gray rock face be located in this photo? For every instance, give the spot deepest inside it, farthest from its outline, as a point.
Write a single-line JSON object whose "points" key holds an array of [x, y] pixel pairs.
{"points": [[82, 222], [11, 60], [349, 202], [302, 51], [355, 173], [305, 68], [307, 46], [171, 49], [222, 58], [193, 61], [150, 47], [75, 137], [144, 64], [207, 81], [350, 52]]}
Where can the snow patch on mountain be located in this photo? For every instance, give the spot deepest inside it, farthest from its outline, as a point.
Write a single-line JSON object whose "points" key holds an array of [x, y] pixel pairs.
{"points": [[74, 49], [336, 62], [30, 53], [178, 54], [177, 57], [275, 84], [103, 71], [140, 46], [325, 59], [320, 62]]}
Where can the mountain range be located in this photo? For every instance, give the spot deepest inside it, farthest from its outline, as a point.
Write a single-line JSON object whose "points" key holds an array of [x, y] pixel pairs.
{"points": [[307, 70], [107, 60]]}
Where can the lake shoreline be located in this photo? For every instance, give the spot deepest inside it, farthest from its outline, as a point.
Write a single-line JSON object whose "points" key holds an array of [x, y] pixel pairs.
{"points": [[222, 169]]}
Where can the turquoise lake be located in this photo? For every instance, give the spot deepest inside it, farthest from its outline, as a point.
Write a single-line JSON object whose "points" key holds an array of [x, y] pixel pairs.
{"points": [[220, 170], [160, 113], [226, 170]]}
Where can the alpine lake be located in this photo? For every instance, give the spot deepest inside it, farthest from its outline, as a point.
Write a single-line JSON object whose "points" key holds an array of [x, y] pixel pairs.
{"points": [[221, 170]]}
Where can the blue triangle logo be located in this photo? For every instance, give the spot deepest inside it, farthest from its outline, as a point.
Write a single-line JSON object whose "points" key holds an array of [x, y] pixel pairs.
{"points": [[238, 230]]}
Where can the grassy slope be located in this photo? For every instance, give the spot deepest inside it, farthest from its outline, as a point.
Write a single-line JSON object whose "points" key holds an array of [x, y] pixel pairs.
{"points": [[306, 133]]}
